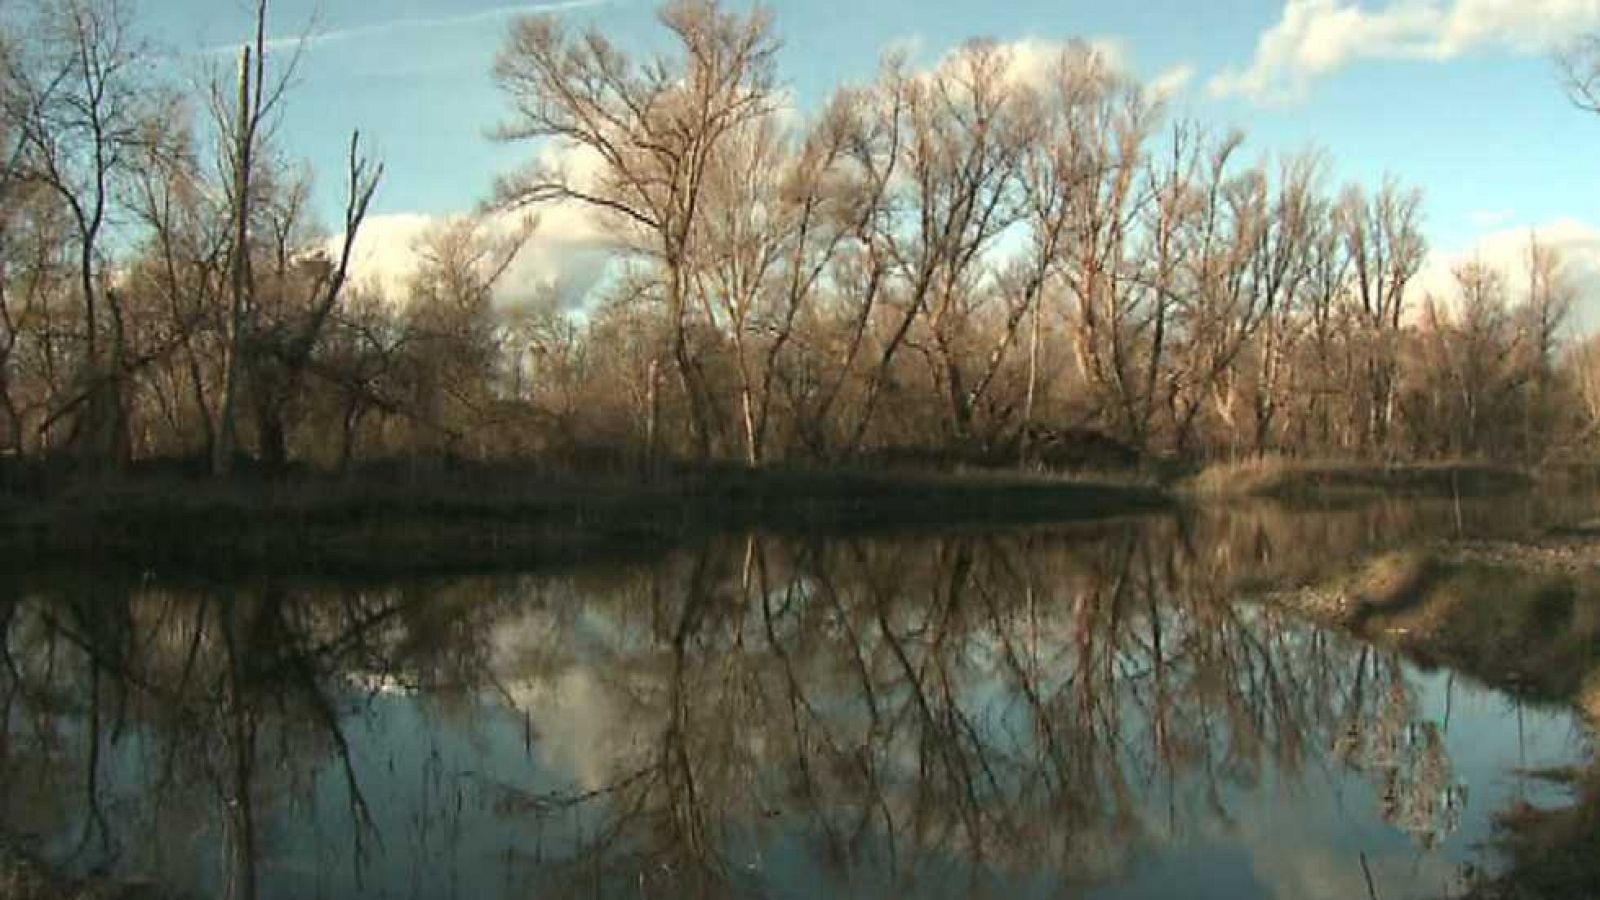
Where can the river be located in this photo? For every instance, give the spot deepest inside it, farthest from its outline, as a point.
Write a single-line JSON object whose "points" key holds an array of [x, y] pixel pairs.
{"points": [[1106, 710]]}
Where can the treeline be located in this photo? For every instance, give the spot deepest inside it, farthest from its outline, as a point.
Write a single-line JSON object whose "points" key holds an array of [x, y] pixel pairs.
{"points": [[996, 259]]}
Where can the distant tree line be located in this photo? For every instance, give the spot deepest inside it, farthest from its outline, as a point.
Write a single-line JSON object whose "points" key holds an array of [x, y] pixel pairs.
{"points": [[983, 261]]}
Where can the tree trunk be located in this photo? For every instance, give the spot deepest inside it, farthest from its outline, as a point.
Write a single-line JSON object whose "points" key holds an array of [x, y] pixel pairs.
{"points": [[272, 442], [222, 447], [699, 429], [1028, 400]]}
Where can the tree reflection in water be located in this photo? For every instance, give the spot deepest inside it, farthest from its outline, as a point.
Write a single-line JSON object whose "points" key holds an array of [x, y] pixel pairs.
{"points": [[943, 715]]}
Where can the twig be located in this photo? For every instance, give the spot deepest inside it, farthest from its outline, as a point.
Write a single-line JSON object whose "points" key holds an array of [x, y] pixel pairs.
{"points": [[1372, 892]]}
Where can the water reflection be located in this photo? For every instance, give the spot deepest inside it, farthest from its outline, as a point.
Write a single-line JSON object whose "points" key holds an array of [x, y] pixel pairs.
{"points": [[1085, 710]]}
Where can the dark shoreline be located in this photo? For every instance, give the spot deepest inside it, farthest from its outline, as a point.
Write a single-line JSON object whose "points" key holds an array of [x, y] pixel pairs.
{"points": [[496, 519], [401, 519], [404, 519]]}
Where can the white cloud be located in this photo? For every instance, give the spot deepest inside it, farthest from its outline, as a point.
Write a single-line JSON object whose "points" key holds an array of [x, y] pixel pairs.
{"points": [[567, 254], [1029, 60], [385, 256], [1172, 82], [582, 726], [1314, 38], [1506, 251], [1033, 61]]}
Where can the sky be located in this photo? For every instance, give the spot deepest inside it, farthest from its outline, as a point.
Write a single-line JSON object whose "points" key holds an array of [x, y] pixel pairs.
{"points": [[1462, 98]]}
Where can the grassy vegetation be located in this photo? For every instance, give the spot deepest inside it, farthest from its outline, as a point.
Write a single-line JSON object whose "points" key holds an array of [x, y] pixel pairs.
{"points": [[1300, 479], [401, 519]]}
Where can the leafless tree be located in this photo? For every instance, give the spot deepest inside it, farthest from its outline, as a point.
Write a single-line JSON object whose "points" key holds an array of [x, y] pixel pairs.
{"points": [[652, 131], [1284, 264], [1384, 240], [308, 287], [983, 260], [1109, 126], [84, 105], [1580, 67]]}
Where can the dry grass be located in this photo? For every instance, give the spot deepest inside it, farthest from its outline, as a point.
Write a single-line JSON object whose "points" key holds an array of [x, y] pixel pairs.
{"points": [[1392, 582], [1242, 478], [1285, 478], [1589, 700]]}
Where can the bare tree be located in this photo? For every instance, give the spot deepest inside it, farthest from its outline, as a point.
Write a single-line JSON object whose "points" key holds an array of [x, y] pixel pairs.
{"points": [[1281, 269], [1476, 346], [11, 146], [448, 336], [970, 126], [1384, 240], [1580, 69], [1219, 303], [1108, 124], [956, 263], [180, 273], [1548, 305], [1087, 117], [1545, 312], [653, 130], [871, 126], [243, 122], [1582, 373], [84, 104], [308, 285], [773, 226]]}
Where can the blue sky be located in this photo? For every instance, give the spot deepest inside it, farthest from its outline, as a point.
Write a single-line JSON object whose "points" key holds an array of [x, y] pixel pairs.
{"points": [[1459, 97]]}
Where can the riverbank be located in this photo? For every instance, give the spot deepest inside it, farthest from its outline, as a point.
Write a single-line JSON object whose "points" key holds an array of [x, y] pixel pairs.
{"points": [[400, 520], [1522, 617]]}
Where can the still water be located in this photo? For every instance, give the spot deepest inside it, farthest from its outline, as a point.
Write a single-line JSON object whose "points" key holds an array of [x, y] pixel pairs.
{"points": [[1101, 711]]}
